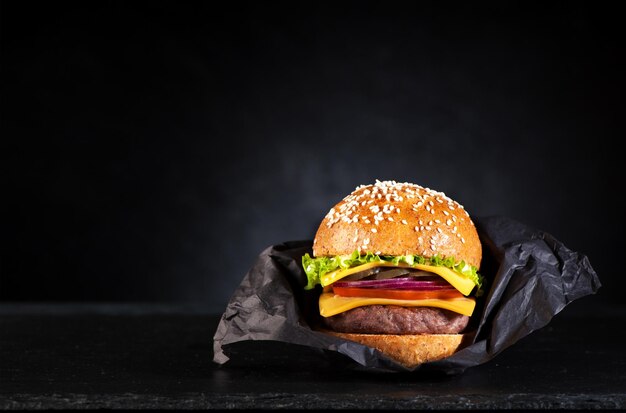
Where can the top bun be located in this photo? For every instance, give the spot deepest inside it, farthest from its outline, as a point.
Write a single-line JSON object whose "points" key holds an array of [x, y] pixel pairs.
{"points": [[393, 218]]}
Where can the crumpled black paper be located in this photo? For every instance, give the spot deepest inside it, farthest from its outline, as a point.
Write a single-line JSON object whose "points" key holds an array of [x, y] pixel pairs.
{"points": [[531, 277]]}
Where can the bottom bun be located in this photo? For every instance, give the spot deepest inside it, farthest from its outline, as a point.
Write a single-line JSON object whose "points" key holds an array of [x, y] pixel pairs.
{"points": [[409, 350]]}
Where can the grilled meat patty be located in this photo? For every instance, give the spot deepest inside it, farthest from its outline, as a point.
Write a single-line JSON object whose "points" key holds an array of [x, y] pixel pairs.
{"points": [[391, 319]]}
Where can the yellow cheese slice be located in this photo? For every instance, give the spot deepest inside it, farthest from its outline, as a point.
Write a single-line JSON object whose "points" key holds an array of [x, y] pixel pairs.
{"points": [[331, 304], [461, 283]]}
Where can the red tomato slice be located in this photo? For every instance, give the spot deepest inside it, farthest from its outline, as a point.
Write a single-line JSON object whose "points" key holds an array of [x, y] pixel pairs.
{"points": [[396, 294]]}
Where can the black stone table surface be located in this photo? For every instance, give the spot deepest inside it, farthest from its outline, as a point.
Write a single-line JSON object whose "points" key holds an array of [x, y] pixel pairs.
{"points": [[147, 356]]}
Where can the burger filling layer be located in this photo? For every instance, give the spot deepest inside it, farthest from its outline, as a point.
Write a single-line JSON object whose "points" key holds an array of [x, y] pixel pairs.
{"points": [[327, 270], [416, 293]]}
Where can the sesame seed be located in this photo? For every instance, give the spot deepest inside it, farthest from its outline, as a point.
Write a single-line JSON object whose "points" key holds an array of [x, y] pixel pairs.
{"points": [[437, 221], [427, 228], [448, 222], [417, 228], [374, 230], [439, 230], [431, 203], [420, 240], [432, 247], [404, 221], [430, 222], [389, 218], [355, 239], [432, 211], [446, 213], [463, 240]]}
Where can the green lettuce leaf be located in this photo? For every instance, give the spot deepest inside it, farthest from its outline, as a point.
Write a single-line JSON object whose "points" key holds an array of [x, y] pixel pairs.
{"points": [[315, 268]]}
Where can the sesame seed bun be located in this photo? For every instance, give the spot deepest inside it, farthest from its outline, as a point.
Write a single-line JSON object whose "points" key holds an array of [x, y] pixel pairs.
{"points": [[392, 218], [410, 350]]}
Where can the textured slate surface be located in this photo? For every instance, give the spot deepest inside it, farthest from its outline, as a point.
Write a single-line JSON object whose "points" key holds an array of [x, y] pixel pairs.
{"points": [[159, 357]]}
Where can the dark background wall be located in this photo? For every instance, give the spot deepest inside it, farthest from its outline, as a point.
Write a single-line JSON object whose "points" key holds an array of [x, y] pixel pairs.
{"points": [[151, 151]]}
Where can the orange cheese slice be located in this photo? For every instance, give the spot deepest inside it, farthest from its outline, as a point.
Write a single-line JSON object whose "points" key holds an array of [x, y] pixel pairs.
{"points": [[331, 304]]}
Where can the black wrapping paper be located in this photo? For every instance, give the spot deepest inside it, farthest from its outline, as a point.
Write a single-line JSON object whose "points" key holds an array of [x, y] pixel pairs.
{"points": [[530, 277]]}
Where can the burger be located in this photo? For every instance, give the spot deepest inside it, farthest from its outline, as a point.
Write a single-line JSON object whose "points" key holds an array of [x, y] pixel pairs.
{"points": [[396, 265]]}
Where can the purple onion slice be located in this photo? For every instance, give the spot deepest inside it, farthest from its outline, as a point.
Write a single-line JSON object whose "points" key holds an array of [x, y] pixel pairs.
{"points": [[397, 283]]}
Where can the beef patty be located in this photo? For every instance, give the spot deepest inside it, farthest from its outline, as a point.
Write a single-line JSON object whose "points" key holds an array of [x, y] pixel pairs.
{"points": [[391, 319]]}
